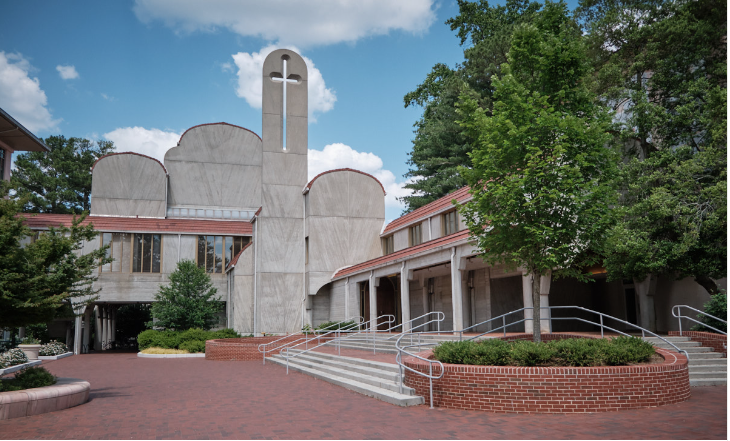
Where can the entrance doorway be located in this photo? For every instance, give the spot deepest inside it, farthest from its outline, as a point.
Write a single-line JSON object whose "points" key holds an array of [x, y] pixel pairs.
{"points": [[387, 300]]}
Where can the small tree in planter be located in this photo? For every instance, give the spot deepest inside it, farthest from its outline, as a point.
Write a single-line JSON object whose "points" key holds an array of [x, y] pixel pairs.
{"points": [[188, 301]]}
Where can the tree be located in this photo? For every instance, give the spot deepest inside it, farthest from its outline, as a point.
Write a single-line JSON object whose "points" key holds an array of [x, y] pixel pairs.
{"points": [[188, 301], [37, 278], [664, 66], [541, 176], [440, 146], [58, 181]]}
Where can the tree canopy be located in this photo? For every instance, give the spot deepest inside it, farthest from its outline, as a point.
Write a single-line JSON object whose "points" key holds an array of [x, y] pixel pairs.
{"points": [[541, 174], [188, 301], [58, 181], [42, 275]]}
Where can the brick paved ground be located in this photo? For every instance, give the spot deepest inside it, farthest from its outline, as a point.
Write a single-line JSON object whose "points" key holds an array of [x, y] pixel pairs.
{"points": [[136, 398]]}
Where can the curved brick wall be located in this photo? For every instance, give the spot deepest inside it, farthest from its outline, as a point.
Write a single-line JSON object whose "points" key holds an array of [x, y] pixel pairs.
{"points": [[510, 389], [242, 349], [717, 342]]}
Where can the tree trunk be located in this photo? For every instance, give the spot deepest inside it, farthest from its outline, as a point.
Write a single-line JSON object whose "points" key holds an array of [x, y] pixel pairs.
{"points": [[536, 334], [708, 284]]}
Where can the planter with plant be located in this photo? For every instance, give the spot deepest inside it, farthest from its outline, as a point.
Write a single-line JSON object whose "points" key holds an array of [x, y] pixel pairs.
{"points": [[30, 346], [53, 350]]}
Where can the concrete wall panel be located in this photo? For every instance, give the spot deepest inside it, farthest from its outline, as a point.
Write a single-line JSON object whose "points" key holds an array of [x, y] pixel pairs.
{"points": [[281, 246], [400, 239], [366, 197], [281, 201], [330, 195], [285, 169], [128, 185], [280, 302]]}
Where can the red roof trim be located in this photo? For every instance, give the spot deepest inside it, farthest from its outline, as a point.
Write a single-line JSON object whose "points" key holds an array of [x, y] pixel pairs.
{"points": [[434, 207], [234, 261], [383, 260], [129, 153], [309, 185], [215, 124], [151, 225]]}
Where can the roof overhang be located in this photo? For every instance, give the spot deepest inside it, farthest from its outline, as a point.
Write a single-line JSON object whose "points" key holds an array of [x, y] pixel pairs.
{"points": [[16, 137]]}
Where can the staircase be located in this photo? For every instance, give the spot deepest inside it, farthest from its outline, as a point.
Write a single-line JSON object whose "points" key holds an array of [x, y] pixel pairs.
{"points": [[371, 378], [706, 367]]}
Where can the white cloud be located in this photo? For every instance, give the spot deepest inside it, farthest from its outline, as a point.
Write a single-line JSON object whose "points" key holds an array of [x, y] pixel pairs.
{"points": [[321, 99], [67, 72], [339, 155], [303, 23], [107, 97], [21, 96], [150, 142]]}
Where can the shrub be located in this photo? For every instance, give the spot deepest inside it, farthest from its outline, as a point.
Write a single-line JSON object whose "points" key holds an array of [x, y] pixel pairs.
{"points": [[333, 326], [529, 353], [14, 357], [624, 350], [223, 333], [717, 306], [175, 339], [193, 346], [580, 351], [28, 378], [162, 339], [30, 340], [53, 348], [195, 334]]}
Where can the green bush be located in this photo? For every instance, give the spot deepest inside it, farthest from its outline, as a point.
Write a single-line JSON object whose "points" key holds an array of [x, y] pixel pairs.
{"points": [[717, 306], [28, 378], [569, 352], [224, 333], [195, 334], [529, 353], [333, 326], [193, 346], [175, 339]]}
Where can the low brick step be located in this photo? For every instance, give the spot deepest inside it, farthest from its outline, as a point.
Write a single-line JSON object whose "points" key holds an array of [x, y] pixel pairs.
{"points": [[380, 393]]}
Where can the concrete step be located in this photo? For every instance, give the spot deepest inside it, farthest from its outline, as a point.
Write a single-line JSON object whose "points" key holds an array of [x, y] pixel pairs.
{"points": [[719, 368], [383, 394], [708, 382], [689, 349], [707, 361], [353, 368], [707, 374], [668, 338], [388, 367]]}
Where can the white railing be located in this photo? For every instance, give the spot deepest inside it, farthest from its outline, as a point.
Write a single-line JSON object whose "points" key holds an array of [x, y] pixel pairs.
{"points": [[281, 342], [679, 316]]}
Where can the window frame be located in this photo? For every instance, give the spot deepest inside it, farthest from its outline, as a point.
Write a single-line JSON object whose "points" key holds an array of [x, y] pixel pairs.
{"points": [[415, 235], [445, 222], [152, 264], [387, 245]]}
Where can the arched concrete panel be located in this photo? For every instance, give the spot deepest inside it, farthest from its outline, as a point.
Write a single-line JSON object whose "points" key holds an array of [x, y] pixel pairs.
{"points": [[128, 184]]}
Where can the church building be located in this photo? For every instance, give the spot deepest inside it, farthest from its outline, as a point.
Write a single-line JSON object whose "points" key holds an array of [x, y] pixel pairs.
{"points": [[284, 252]]}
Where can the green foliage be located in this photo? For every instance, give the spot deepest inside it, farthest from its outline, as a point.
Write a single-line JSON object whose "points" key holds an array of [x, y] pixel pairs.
{"points": [[58, 181], [53, 348], [190, 338], [440, 147], [193, 346], [333, 326], [541, 175], [39, 279], [717, 306], [188, 301], [28, 378], [30, 340], [568, 352], [131, 320]]}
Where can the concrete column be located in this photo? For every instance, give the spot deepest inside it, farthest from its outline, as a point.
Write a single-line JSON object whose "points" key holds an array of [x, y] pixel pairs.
{"points": [[77, 335], [545, 302], [527, 301], [104, 326], [97, 334], [87, 330], [405, 296], [373, 286], [21, 332], [488, 297], [113, 328], [645, 290], [347, 298], [456, 291], [69, 334]]}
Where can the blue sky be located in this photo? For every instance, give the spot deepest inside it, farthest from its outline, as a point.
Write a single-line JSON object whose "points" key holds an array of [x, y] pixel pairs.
{"points": [[141, 72]]}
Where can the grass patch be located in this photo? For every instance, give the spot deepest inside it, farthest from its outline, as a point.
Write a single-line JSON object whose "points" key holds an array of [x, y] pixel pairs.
{"points": [[578, 352]]}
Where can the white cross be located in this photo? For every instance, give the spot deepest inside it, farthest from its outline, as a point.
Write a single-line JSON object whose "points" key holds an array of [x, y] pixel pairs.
{"points": [[283, 79]]}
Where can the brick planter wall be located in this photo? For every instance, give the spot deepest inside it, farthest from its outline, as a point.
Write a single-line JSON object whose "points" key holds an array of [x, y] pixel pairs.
{"points": [[709, 339], [243, 349], [509, 389]]}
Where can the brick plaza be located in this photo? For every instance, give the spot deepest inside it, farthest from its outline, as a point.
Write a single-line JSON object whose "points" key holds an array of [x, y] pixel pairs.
{"points": [[134, 398]]}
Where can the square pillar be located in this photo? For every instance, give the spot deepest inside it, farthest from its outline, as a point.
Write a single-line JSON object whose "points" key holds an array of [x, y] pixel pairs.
{"points": [[87, 330], [527, 301], [545, 302], [373, 293], [456, 291], [77, 334], [405, 297], [97, 334]]}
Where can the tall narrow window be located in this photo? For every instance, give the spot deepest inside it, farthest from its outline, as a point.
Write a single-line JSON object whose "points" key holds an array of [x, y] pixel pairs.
{"points": [[387, 245], [216, 252], [306, 250], [146, 253], [414, 235], [118, 245], [450, 223]]}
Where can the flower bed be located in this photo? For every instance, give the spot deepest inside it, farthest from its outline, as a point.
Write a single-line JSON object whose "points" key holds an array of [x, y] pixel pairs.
{"points": [[510, 389]]}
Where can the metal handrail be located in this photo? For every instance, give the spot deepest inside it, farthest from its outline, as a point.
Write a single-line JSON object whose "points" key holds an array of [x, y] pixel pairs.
{"points": [[431, 363], [263, 347], [679, 317], [440, 316], [338, 339]]}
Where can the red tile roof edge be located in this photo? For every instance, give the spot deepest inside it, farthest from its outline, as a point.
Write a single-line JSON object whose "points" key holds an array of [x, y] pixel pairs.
{"points": [[215, 124], [460, 195], [234, 261], [129, 153], [309, 185], [410, 251], [134, 224]]}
